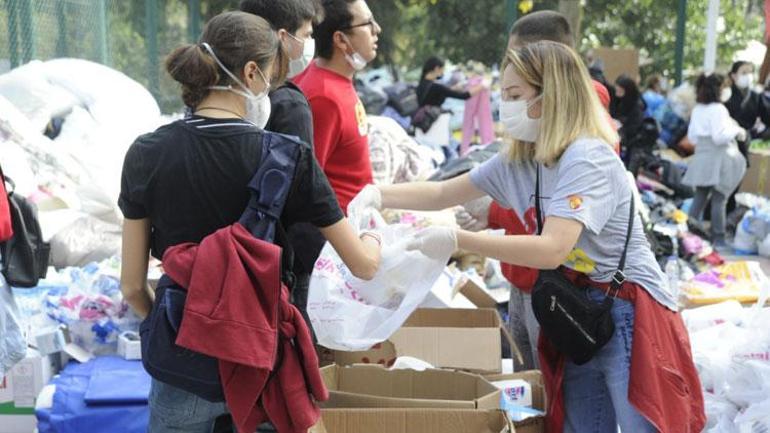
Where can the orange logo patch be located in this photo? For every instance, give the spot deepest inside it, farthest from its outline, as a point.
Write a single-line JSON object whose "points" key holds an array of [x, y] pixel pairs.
{"points": [[575, 201]]}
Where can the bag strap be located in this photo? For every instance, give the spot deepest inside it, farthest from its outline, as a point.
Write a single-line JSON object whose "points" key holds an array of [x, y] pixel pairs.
{"points": [[270, 187], [538, 210], [619, 277]]}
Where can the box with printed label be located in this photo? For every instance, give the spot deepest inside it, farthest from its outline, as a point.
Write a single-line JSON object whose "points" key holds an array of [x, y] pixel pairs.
{"points": [[538, 397]]}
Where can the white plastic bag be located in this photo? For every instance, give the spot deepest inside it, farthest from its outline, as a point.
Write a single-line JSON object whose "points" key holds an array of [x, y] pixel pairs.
{"points": [[351, 314], [13, 347]]}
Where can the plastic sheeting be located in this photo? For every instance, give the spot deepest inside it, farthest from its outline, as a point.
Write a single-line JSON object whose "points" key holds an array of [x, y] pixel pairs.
{"points": [[69, 412]]}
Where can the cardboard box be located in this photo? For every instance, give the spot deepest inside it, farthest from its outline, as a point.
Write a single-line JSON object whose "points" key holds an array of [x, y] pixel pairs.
{"points": [[619, 61], [460, 339], [535, 379], [480, 296], [412, 421], [373, 386], [757, 179], [130, 345], [29, 376]]}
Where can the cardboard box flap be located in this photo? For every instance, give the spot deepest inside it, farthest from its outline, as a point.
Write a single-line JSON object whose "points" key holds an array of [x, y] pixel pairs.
{"points": [[376, 382], [453, 318], [412, 421]]}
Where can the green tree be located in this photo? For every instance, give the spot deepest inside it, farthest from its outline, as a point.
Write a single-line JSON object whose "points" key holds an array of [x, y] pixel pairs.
{"points": [[650, 25]]}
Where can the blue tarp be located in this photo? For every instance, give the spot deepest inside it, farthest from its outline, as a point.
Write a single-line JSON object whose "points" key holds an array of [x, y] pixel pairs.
{"points": [[119, 389]]}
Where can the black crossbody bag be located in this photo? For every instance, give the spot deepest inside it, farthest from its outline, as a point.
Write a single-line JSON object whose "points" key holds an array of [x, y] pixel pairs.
{"points": [[577, 326]]}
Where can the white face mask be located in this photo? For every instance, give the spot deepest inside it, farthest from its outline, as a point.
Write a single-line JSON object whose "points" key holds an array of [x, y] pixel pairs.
{"points": [[726, 94], [355, 60], [296, 66], [257, 106], [744, 81], [517, 123]]}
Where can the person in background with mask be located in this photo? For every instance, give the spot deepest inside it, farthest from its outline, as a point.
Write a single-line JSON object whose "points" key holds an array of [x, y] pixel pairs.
{"points": [[290, 114], [628, 108], [643, 379], [346, 40], [293, 20], [717, 168], [741, 100], [188, 179]]}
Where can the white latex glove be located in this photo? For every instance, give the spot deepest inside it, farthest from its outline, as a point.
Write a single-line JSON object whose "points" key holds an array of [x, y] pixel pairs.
{"points": [[436, 242], [742, 135], [474, 215], [369, 197]]}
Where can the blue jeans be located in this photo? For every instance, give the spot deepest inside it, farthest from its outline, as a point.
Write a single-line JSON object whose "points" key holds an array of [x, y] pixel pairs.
{"points": [[173, 410], [596, 393]]}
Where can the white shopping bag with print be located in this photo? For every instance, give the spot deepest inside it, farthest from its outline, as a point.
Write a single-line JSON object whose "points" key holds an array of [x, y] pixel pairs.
{"points": [[350, 314]]}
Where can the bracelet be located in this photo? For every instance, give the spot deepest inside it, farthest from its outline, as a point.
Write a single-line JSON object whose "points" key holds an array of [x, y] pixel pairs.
{"points": [[372, 235]]}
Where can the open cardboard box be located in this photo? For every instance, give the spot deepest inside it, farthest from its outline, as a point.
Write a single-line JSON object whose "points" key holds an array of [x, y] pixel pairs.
{"points": [[460, 339], [373, 386], [535, 379], [412, 421]]}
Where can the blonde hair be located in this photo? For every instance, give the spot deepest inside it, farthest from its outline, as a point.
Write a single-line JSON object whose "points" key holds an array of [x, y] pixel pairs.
{"points": [[570, 105]]}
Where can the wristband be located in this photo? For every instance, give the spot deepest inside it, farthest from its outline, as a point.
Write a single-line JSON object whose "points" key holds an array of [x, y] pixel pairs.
{"points": [[372, 235]]}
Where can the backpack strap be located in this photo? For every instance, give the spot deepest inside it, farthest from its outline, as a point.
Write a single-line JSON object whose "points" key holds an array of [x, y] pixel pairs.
{"points": [[270, 187]]}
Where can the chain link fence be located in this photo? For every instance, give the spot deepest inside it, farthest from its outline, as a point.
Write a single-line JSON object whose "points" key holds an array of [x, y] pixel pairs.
{"points": [[132, 36]]}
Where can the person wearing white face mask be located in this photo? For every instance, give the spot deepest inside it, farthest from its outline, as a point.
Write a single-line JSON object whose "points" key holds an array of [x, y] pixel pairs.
{"points": [[741, 100], [291, 114], [189, 179], [346, 41], [562, 161]]}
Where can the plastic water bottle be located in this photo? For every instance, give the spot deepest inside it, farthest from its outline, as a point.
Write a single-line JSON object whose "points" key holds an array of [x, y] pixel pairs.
{"points": [[672, 272]]}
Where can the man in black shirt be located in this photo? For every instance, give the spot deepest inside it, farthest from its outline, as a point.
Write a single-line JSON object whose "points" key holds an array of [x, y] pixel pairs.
{"points": [[291, 115]]}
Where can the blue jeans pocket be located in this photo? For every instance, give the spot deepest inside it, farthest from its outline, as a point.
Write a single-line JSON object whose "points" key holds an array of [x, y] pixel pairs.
{"points": [[171, 404]]}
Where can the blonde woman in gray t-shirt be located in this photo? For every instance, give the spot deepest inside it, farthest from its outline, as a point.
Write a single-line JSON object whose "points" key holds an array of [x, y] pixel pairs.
{"points": [[551, 111]]}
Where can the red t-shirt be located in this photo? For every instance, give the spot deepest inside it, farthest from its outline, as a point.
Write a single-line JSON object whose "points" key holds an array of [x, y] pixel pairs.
{"points": [[340, 131]]}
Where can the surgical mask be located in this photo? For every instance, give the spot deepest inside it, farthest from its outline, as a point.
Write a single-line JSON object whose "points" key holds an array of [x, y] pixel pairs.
{"points": [[744, 81], [296, 66], [355, 60], [726, 94], [517, 123], [257, 106]]}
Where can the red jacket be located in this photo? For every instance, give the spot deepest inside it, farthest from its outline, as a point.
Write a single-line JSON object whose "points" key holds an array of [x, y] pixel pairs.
{"points": [[664, 385], [6, 226], [237, 310]]}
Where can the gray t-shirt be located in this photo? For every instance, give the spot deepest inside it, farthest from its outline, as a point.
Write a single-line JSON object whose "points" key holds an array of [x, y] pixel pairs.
{"points": [[588, 184]]}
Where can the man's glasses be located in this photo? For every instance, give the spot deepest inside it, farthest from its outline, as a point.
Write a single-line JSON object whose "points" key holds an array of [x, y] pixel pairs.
{"points": [[371, 23]]}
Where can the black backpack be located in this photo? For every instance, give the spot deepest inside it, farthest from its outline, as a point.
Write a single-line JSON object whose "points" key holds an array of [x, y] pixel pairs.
{"points": [[25, 255], [195, 372], [403, 98]]}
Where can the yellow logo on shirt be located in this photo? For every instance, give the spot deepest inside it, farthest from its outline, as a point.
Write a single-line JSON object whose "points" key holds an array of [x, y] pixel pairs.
{"points": [[363, 125], [579, 261], [575, 201]]}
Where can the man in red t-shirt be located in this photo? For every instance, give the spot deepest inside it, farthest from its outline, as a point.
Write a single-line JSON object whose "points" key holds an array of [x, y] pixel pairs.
{"points": [[485, 213], [346, 40]]}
